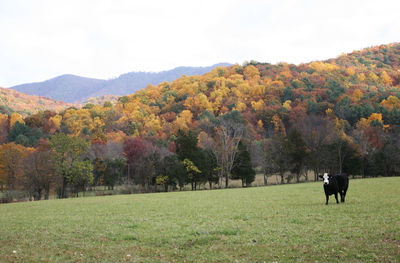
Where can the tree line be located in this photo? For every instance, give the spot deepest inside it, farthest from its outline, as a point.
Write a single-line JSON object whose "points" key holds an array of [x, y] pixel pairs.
{"points": [[215, 154]]}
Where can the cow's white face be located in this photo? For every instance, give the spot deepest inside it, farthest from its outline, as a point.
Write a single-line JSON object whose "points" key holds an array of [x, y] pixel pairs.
{"points": [[326, 178]]}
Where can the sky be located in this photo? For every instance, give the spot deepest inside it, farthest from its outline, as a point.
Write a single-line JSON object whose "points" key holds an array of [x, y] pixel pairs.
{"points": [[42, 39]]}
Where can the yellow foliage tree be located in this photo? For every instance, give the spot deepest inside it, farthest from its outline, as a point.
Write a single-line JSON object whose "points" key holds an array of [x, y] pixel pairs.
{"points": [[184, 120], [11, 156], [117, 136], [375, 117], [361, 77], [240, 106], [55, 123], [357, 95], [287, 105], [14, 118], [258, 105], [252, 74], [350, 72], [152, 125], [260, 124], [372, 77], [386, 78], [279, 127], [76, 120], [391, 102], [321, 66]]}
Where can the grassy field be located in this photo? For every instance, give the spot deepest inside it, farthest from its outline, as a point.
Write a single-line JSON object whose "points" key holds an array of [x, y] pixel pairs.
{"points": [[272, 224]]}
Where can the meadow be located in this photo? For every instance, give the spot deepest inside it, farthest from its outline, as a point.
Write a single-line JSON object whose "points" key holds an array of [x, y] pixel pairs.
{"points": [[282, 223]]}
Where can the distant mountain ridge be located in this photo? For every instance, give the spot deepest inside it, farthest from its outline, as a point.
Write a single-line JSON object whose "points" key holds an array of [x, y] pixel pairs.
{"points": [[72, 88]]}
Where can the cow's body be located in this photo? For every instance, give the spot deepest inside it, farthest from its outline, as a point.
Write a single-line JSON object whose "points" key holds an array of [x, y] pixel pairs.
{"points": [[334, 184]]}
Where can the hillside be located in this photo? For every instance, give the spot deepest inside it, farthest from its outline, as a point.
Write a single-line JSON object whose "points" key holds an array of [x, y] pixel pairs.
{"points": [[360, 86], [14, 101], [70, 88], [352, 86]]}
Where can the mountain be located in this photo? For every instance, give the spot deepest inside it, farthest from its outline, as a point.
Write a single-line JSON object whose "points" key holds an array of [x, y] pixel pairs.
{"points": [[66, 88], [13, 101], [71, 88]]}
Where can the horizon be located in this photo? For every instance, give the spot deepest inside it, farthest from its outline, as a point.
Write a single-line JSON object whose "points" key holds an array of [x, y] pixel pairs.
{"points": [[115, 77], [104, 39]]}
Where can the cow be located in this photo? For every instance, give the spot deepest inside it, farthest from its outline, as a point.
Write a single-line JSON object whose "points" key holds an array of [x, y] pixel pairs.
{"points": [[334, 184]]}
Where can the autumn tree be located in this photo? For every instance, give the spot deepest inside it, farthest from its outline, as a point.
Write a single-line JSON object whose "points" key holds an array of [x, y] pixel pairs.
{"points": [[192, 172], [15, 118], [143, 160], [38, 172], [73, 167], [11, 159], [134, 149]]}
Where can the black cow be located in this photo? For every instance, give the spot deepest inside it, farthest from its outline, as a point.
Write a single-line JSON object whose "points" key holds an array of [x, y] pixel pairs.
{"points": [[334, 184]]}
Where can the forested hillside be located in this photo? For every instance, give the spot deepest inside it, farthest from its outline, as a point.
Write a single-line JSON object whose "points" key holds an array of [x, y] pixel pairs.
{"points": [[12, 101], [339, 115]]}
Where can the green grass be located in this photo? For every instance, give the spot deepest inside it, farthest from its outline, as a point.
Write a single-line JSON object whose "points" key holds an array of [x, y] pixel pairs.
{"points": [[271, 224]]}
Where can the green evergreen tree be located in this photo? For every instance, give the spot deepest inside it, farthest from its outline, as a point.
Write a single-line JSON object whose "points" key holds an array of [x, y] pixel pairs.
{"points": [[242, 168]]}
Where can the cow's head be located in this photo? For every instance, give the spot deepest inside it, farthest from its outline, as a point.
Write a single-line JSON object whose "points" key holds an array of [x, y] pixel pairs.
{"points": [[325, 177]]}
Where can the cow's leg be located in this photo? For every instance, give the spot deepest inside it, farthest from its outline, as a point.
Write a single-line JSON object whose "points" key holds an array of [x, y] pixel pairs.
{"points": [[344, 194], [337, 201], [327, 199]]}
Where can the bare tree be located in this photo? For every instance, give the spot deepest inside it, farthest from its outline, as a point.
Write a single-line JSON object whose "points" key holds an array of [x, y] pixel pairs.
{"points": [[278, 156], [229, 133], [262, 158], [316, 132]]}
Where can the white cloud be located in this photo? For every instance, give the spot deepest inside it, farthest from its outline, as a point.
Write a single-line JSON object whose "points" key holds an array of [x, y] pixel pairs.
{"points": [[104, 38]]}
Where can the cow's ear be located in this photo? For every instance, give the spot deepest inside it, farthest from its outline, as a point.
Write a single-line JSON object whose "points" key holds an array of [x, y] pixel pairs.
{"points": [[320, 176]]}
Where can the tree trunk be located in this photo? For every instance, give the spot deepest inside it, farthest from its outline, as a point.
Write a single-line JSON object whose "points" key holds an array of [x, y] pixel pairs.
{"points": [[265, 179], [39, 194], [63, 188]]}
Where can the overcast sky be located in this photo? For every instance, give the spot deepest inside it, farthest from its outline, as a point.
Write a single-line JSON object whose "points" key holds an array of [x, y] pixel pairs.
{"points": [[104, 38]]}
